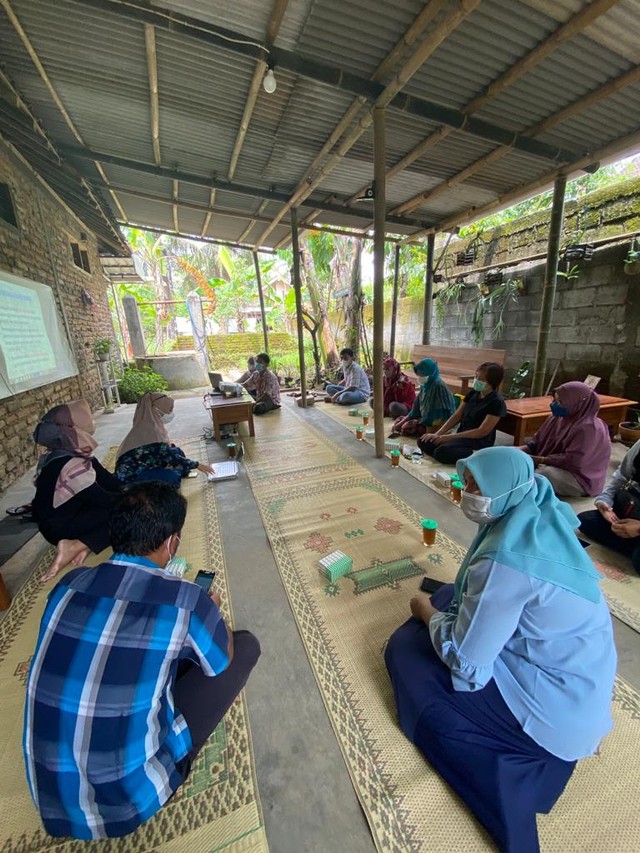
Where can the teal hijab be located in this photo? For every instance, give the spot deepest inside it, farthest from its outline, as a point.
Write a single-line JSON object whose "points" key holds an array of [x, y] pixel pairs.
{"points": [[435, 402], [535, 532]]}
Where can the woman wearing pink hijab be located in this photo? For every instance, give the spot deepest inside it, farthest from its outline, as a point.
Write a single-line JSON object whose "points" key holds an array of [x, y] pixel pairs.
{"points": [[572, 448], [74, 493]]}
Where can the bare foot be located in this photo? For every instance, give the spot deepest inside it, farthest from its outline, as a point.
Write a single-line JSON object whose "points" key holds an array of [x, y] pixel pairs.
{"points": [[68, 551]]}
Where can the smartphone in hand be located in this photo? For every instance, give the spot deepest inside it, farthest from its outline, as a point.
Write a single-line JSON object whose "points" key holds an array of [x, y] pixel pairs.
{"points": [[429, 585], [205, 580]]}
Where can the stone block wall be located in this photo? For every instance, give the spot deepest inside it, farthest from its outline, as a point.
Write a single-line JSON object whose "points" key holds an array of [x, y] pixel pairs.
{"points": [[594, 328], [39, 249]]}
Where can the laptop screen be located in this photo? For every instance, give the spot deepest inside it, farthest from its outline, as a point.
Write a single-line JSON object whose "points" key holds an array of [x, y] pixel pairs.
{"points": [[215, 379]]}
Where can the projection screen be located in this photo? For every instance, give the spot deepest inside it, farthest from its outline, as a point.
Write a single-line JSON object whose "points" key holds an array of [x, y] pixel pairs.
{"points": [[34, 349]]}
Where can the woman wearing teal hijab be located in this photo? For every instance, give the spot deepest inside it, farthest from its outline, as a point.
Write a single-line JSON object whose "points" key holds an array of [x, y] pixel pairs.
{"points": [[433, 406], [505, 679]]}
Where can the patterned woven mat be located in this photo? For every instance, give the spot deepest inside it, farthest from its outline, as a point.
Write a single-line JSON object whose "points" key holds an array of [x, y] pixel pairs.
{"points": [[313, 501], [621, 585], [218, 808]]}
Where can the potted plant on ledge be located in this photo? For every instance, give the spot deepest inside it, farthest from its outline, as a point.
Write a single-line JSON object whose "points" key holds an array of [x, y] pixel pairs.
{"points": [[102, 348], [630, 430]]}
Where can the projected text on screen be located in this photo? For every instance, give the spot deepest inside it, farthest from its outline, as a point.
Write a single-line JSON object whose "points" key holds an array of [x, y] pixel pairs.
{"points": [[34, 350]]}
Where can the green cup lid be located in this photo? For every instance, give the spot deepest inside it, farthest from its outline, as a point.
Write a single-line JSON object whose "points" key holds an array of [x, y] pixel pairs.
{"points": [[456, 482], [395, 453], [231, 444], [429, 524]]}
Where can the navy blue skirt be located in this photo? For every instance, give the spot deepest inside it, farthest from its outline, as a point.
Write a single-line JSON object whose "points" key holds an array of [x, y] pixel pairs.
{"points": [[473, 740]]}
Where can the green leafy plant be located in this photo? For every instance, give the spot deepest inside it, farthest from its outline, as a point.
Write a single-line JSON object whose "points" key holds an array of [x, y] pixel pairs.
{"points": [[571, 273], [137, 381], [496, 300], [102, 346], [633, 255], [450, 293]]}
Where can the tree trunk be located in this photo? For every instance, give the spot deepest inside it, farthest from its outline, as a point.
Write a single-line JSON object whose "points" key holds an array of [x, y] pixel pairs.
{"points": [[353, 304], [326, 338]]}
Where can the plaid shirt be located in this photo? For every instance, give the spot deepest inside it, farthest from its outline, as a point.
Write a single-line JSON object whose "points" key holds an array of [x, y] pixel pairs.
{"points": [[102, 739]]}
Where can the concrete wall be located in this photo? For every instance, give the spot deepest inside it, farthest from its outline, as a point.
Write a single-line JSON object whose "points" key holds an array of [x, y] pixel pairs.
{"points": [[595, 328], [27, 252]]}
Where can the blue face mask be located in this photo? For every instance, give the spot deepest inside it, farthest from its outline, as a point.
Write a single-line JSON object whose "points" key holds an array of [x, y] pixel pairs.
{"points": [[260, 367], [479, 385], [558, 410]]}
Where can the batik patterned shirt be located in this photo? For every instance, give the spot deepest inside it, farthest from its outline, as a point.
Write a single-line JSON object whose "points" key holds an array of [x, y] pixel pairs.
{"points": [[103, 740], [150, 456]]}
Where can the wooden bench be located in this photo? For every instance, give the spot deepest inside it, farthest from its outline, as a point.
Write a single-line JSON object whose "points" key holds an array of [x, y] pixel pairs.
{"points": [[458, 364], [525, 417]]}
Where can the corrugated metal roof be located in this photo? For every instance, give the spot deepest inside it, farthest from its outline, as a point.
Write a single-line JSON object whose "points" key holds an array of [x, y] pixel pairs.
{"points": [[96, 60]]}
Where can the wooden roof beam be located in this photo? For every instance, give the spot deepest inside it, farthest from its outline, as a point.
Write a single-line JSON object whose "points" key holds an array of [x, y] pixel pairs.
{"points": [[582, 19], [627, 79], [196, 237], [275, 20], [388, 93], [608, 153], [35, 59]]}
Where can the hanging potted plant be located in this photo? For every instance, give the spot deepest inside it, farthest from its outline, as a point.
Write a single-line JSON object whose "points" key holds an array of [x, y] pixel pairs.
{"points": [[102, 348], [575, 249], [632, 261]]}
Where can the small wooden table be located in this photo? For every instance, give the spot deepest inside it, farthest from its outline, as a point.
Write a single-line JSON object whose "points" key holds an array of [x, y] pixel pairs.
{"points": [[233, 410], [524, 417]]}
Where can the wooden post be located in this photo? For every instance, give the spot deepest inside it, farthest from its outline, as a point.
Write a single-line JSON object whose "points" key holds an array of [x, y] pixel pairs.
{"points": [[265, 334], [379, 210], [298, 291], [394, 306], [549, 289], [427, 314]]}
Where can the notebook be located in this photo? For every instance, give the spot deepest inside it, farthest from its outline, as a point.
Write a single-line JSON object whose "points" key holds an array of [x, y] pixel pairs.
{"points": [[224, 471]]}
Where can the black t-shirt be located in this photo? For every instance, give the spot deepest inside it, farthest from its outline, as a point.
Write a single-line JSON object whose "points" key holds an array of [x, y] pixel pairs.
{"points": [[477, 407]]}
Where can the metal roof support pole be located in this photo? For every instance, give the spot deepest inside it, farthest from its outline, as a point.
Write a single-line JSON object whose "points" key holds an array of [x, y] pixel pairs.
{"points": [[298, 291], [379, 215], [549, 289], [427, 313], [394, 305], [265, 333]]}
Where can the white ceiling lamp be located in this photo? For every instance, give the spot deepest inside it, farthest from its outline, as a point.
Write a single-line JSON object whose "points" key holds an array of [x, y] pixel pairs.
{"points": [[269, 82]]}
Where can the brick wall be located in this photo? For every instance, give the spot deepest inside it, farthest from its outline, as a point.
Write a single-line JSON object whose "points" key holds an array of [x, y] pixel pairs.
{"points": [[39, 250]]}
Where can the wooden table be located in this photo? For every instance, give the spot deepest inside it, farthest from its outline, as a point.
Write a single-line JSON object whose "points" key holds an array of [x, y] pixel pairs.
{"points": [[524, 417], [232, 410]]}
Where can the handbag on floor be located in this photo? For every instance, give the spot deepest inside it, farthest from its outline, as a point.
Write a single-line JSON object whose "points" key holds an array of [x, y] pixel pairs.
{"points": [[626, 503]]}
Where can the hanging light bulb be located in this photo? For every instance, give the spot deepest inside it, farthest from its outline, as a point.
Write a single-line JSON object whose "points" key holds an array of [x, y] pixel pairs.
{"points": [[269, 82]]}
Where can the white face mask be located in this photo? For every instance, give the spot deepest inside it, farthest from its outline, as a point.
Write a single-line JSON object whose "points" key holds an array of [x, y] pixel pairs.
{"points": [[478, 507], [345, 364], [422, 380], [166, 419]]}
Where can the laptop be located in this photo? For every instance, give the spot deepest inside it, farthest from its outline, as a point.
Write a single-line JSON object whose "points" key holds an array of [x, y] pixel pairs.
{"points": [[224, 471], [215, 379]]}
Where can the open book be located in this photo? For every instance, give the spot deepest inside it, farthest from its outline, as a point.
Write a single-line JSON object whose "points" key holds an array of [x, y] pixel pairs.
{"points": [[224, 471]]}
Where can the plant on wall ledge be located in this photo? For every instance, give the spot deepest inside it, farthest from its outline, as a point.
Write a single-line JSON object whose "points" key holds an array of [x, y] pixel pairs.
{"points": [[496, 300], [632, 261], [102, 348], [450, 293]]}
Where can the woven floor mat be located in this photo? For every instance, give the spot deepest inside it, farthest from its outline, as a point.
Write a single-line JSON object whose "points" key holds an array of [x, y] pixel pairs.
{"points": [[218, 808], [316, 503]]}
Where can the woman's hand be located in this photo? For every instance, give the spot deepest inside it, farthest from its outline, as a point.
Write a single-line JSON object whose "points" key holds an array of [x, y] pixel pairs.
{"points": [[538, 460], [607, 513], [422, 608], [432, 436], [626, 528], [442, 439], [206, 469]]}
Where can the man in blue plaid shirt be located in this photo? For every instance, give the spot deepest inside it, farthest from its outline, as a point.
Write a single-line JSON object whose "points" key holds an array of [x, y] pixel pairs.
{"points": [[133, 670]]}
